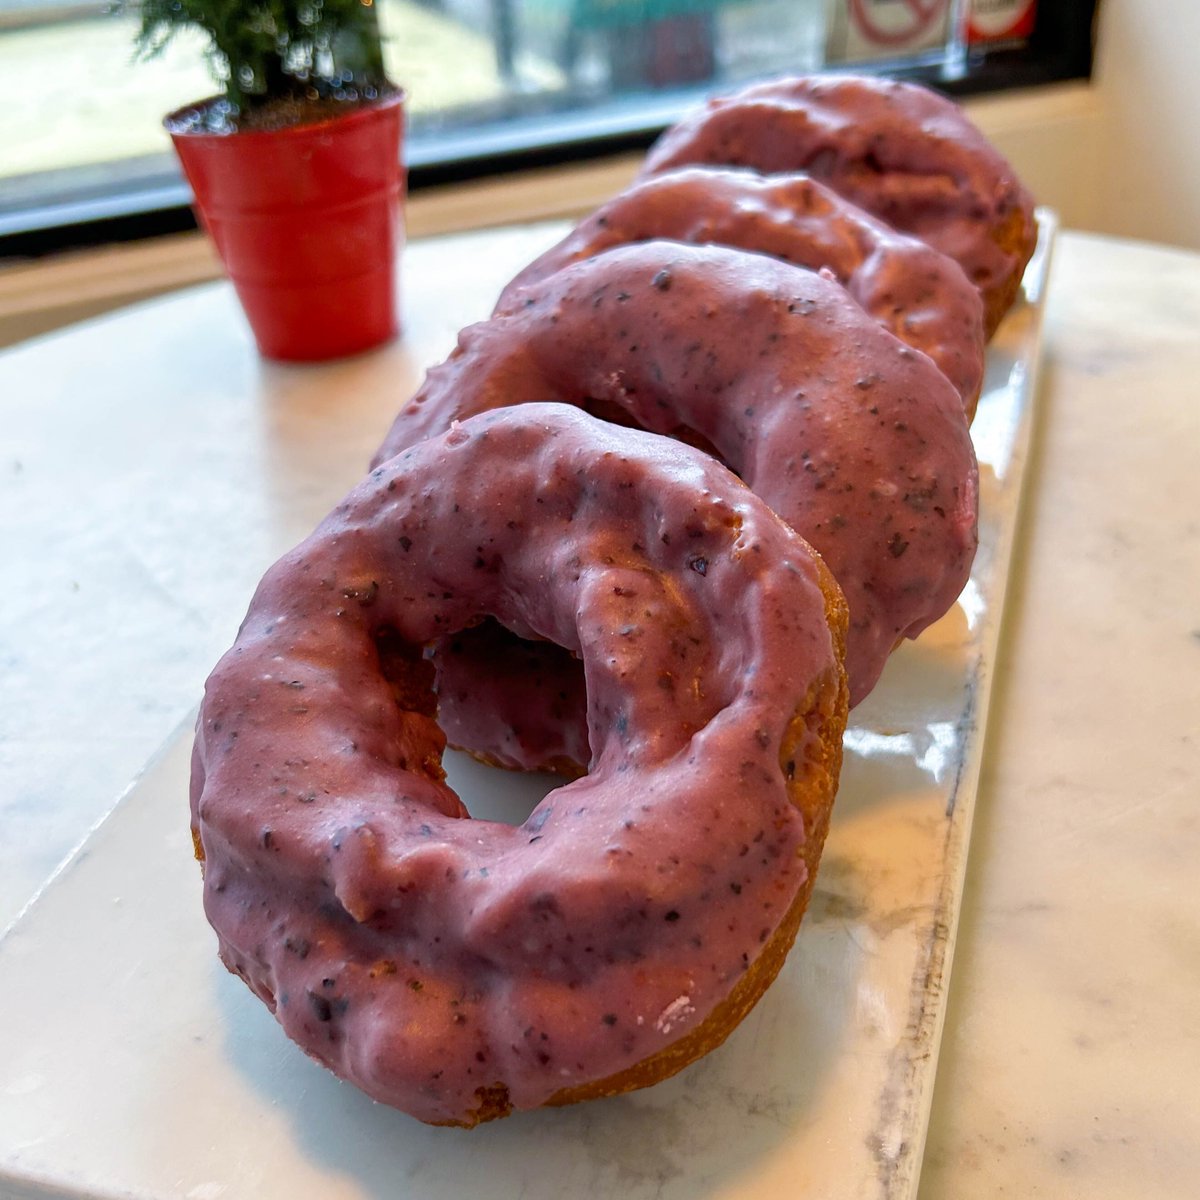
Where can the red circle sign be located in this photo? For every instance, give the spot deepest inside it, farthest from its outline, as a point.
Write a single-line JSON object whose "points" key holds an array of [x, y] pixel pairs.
{"points": [[921, 15]]}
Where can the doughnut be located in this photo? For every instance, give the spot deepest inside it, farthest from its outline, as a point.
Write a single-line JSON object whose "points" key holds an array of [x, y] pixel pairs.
{"points": [[855, 439], [905, 154], [911, 289], [460, 968]]}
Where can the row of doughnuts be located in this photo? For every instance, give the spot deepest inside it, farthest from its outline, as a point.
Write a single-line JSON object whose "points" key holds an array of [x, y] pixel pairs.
{"points": [[856, 440], [899, 151], [912, 290], [832, 467], [603, 600]]}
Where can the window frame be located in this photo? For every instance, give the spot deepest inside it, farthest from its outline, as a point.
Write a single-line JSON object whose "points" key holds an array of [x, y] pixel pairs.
{"points": [[1061, 49]]}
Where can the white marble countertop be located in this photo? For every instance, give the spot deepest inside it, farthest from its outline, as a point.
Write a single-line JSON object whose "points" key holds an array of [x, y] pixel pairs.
{"points": [[1071, 1059]]}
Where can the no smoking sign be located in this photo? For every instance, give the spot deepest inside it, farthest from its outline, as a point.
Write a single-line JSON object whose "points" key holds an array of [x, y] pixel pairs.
{"points": [[866, 29]]}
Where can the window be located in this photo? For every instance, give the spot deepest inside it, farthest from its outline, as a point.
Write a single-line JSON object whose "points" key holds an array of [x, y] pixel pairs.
{"points": [[492, 84]]}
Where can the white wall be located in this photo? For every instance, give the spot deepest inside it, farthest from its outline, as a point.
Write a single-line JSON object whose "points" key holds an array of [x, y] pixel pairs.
{"points": [[1148, 78], [1121, 156], [1052, 136]]}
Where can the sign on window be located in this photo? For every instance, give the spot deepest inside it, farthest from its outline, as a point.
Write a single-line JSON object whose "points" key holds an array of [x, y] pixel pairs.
{"points": [[862, 30]]}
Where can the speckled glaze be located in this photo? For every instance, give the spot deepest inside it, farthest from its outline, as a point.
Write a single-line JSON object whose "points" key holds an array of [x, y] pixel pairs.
{"points": [[912, 290], [902, 152], [856, 440], [423, 955]]}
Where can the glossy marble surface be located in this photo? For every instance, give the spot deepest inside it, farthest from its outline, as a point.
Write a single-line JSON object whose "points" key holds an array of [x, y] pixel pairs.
{"points": [[828, 1082], [1071, 1058], [133, 538], [1072, 1050]]}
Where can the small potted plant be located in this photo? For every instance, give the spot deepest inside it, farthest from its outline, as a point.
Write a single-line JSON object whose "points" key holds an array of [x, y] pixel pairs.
{"points": [[295, 167]]}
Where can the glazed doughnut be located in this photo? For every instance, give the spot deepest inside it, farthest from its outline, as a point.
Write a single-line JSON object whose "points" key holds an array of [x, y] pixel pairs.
{"points": [[851, 436], [905, 154], [460, 968], [911, 289]]}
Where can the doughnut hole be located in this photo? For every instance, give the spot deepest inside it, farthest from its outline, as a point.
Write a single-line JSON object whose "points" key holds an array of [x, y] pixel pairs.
{"points": [[410, 676], [546, 700], [528, 707]]}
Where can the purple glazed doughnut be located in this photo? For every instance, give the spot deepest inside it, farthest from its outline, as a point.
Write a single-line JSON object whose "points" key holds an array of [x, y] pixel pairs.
{"points": [[856, 440], [457, 968], [911, 289], [904, 153]]}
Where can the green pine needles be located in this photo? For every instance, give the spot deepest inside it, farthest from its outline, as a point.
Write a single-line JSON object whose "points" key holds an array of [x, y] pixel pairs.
{"points": [[262, 51]]}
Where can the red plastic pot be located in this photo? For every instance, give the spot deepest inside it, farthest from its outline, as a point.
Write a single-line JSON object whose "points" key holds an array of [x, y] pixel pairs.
{"points": [[308, 223]]}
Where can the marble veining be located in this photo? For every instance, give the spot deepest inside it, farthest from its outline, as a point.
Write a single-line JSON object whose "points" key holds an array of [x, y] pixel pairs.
{"points": [[1072, 1052]]}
